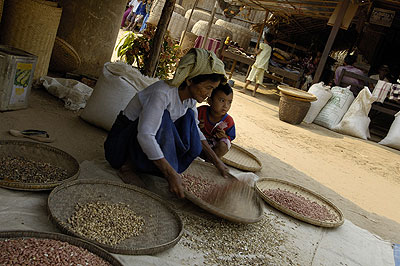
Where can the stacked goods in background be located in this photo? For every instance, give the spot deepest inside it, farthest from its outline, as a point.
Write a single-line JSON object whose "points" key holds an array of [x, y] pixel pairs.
{"points": [[31, 26], [216, 32], [197, 16], [240, 34]]}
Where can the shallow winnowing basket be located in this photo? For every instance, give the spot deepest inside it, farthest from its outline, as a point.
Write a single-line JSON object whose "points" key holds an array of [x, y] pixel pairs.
{"points": [[41, 153], [64, 57], [242, 159], [163, 227], [272, 183], [64, 238]]}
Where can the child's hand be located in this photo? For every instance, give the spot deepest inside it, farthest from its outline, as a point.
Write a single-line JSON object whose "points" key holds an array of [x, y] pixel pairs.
{"points": [[201, 123], [220, 133]]}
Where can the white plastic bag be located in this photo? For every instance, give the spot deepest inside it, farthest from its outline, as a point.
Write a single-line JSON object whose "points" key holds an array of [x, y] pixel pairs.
{"points": [[393, 137], [336, 107], [72, 92], [114, 89], [323, 94], [356, 121]]}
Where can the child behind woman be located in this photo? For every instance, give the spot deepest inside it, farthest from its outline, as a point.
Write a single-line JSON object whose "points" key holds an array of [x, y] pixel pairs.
{"points": [[215, 123]]}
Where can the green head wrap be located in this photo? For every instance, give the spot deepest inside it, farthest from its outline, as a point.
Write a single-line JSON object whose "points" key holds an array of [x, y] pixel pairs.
{"points": [[197, 62]]}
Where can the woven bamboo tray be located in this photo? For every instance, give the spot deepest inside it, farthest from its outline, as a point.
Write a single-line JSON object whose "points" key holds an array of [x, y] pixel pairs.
{"points": [[41, 153], [271, 183], [296, 93], [231, 212], [163, 227], [69, 239], [242, 159], [64, 57]]}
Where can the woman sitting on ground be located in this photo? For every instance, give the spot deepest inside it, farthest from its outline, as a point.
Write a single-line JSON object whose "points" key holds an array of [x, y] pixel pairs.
{"points": [[158, 131]]}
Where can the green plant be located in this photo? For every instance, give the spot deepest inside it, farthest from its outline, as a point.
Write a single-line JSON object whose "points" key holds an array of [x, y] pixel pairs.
{"points": [[135, 48]]}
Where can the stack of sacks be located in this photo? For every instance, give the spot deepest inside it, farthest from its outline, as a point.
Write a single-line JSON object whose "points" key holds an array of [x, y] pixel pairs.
{"points": [[393, 137], [216, 32], [196, 16], [323, 94], [240, 34]]}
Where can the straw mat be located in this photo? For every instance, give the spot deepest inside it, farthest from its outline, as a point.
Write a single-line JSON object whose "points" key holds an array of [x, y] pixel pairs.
{"points": [[64, 58], [69, 239], [296, 92], [162, 227], [241, 205], [242, 159], [40, 153], [271, 183]]}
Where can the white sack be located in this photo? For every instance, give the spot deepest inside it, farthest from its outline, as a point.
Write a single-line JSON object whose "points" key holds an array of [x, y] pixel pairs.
{"points": [[72, 92], [323, 94], [393, 137], [356, 121], [116, 86], [336, 107]]}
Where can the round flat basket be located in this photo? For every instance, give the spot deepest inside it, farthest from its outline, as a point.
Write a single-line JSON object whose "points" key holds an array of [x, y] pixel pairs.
{"points": [[244, 207], [242, 159], [162, 227], [40, 153], [336, 217], [64, 58], [64, 238], [297, 93]]}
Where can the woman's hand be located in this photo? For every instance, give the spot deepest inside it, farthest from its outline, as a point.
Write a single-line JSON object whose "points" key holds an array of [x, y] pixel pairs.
{"points": [[174, 179]]}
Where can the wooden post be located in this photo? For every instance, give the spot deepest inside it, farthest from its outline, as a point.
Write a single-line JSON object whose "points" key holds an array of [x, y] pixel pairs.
{"points": [[187, 24], [262, 28], [331, 39], [209, 24], [150, 67]]}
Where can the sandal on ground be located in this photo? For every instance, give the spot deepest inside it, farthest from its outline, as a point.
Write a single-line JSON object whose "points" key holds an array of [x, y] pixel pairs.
{"points": [[38, 135]]}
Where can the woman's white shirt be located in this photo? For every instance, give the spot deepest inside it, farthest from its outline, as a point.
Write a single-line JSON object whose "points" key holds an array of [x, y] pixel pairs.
{"points": [[149, 105]]}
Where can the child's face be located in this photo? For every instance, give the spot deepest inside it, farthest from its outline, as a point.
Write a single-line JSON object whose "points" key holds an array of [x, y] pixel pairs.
{"points": [[220, 103]]}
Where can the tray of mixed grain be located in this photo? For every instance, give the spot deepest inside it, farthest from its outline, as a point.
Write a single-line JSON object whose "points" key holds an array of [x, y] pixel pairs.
{"points": [[120, 218], [42, 248], [225, 197], [26, 165], [299, 202]]}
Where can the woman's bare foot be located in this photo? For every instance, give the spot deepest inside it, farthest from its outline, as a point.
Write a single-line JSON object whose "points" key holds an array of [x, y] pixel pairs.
{"points": [[128, 176]]}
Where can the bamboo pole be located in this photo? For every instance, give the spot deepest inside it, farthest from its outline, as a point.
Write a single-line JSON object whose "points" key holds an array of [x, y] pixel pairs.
{"points": [[262, 28], [187, 24], [150, 67], [209, 24], [331, 39]]}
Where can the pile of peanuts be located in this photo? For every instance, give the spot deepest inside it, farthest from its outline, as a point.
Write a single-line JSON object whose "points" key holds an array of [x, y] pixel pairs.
{"points": [[105, 222], [29, 171], [300, 204], [198, 186], [45, 252]]}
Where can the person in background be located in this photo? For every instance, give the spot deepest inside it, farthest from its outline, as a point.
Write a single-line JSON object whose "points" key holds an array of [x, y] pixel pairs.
{"points": [[158, 132], [263, 55], [217, 126], [383, 71], [349, 60], [139, 15], [131, 6]]}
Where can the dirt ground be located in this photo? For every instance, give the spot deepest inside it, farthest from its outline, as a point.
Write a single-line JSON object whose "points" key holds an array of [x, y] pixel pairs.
{"points": [[361, 177]]}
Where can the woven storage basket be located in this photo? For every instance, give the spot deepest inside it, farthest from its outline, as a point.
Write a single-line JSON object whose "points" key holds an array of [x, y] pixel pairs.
{"points": [[180, 10], [233, 210], [64, 238], [41, 153], [240, 34], [292, 110], [216, 32], [242, 159], [272, 183], [64, 58], [31, 26], [163, 227]]}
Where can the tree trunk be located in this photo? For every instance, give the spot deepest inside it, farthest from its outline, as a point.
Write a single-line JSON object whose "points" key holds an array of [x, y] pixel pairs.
{"points": [[150, 67]]}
